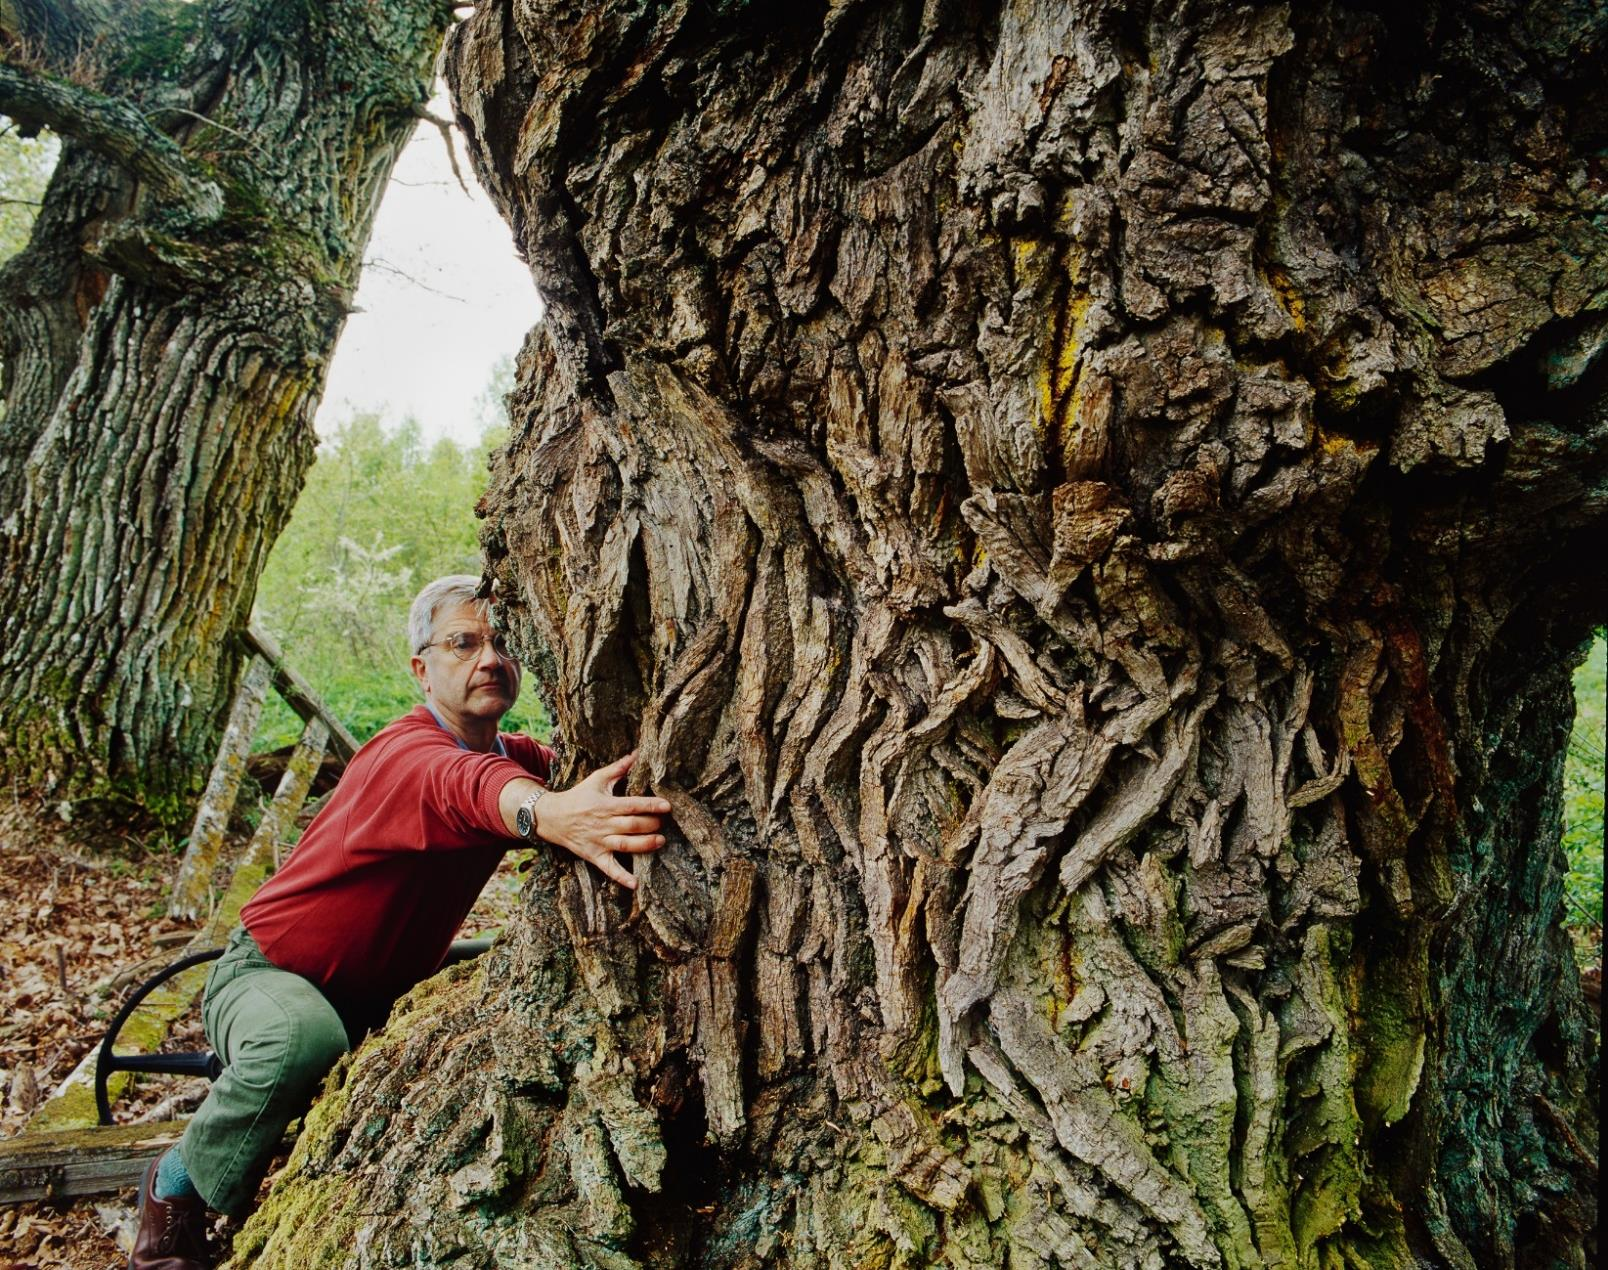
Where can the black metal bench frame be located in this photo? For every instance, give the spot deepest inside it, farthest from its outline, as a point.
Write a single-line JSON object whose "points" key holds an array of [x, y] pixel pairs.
{"points": [[194, 1063]]}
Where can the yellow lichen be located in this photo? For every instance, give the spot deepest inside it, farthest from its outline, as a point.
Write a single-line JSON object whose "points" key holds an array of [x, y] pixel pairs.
{"points": [[1060, 375], [1289, 298]]}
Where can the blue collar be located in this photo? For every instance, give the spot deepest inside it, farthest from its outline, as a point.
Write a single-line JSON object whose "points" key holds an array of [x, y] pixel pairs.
{"points": [[462, 744]]}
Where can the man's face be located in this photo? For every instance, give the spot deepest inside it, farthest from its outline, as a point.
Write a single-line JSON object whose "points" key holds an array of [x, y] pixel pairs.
{"points": [[484, 686]]}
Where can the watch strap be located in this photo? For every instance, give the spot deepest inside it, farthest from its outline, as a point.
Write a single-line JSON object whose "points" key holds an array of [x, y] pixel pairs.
{"points": [[525, 817]]}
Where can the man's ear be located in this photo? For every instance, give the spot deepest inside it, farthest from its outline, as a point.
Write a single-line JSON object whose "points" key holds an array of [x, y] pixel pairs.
{"points": [[421, 673]]}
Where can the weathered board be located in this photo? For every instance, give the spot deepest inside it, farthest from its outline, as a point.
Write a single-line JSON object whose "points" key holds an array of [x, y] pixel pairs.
{"points": [[194, 880], [75, 1162], [299, 694]]}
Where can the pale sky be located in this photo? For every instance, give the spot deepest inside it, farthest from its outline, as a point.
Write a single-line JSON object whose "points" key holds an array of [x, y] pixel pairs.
{"points": [[442, 299]]}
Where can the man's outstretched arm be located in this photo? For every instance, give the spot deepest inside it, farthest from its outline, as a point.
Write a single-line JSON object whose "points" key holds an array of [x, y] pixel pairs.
{"points": [[589, 820]]}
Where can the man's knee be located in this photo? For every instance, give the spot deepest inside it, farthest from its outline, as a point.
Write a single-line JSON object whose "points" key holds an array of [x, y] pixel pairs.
{"points": [[318, 1039], [315, 1039], [293, 1047]]}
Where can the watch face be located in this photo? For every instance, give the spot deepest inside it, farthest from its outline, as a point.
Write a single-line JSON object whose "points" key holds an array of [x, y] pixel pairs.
{"points": [[522, 824]]}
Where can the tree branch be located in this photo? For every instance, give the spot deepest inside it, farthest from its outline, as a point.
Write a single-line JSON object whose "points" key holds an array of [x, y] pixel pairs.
{"points": [[446, 126], [115, 129]]}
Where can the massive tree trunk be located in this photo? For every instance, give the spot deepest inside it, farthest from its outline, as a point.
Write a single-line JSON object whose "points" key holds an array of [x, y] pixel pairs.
{"points": [[163, 344], [1087, 511]]}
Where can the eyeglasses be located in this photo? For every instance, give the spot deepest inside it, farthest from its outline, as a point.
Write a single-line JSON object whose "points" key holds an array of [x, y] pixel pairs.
{"points": [[466, 645]]}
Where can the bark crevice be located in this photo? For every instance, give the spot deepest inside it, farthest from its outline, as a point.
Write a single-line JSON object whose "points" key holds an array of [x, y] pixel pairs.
{"points": [[1104, 608]]}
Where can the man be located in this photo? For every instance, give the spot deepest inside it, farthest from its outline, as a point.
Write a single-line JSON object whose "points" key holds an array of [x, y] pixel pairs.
{"points": [[368, 905]]}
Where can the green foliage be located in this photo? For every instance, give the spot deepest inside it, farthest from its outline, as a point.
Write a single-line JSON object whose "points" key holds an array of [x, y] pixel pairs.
{"points": [[1583, 791], [25, 167], [382, 514]]}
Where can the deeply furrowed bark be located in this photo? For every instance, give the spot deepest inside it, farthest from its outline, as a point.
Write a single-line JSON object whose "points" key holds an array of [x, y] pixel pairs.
{"points": [[163, 345], [1087, 511]]}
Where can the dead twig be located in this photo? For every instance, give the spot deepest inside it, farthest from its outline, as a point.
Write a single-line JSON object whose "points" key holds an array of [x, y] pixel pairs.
{"points": [[446, 126], [385, 266], [175, 1104], [213, 123]]}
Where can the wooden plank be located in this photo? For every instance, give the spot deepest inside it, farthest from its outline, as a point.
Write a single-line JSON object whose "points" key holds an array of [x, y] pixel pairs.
{"points": [[82, 1162], [278, 822], [189, 898], [78, 1162], [299, 695]]}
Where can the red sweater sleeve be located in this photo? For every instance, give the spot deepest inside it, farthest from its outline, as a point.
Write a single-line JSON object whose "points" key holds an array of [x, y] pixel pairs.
{"points": [[457, 793], [375, 891]]}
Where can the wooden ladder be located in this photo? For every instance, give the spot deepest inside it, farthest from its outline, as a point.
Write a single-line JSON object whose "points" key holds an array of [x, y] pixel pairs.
{"points": [[63, 1152], [193, 885]]}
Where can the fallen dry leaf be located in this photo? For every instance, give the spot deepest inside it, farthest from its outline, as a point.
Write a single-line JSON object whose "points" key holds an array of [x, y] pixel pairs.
{"points": [[77, 917]]}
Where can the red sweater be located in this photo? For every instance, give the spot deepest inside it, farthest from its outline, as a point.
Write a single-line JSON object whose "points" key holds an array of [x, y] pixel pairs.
{"points": [[372, 896]]}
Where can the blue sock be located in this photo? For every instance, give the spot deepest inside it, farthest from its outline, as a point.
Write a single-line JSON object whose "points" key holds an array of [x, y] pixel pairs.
{"points": [[173, 1179]]}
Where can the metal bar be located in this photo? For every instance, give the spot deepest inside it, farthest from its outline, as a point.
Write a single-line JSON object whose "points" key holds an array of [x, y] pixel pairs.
{"points": [[185, 1063], [106, 1061]]}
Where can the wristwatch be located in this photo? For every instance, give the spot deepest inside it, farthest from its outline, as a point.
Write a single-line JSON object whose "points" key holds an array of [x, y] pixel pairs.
{"points": [[525, 817]]}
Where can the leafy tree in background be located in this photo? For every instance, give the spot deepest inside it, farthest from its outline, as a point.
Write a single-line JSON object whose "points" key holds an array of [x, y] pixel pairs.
{"points": [[1583, 801], [383, 512], [25, 164]]}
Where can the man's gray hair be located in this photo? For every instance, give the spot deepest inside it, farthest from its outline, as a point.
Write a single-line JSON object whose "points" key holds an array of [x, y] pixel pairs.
{"points": [[447, 592]]}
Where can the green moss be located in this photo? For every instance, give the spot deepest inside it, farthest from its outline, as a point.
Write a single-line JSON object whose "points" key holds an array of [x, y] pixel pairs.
{"points": [[1197, 1101], [916, 1059], [36, 742], [327, 1113], [911, 1224], [1323, 1133], [157, 43], [1393, 1041], [1359, 1250], [991, 1193], [74, 1107], [314, 1222], [1159, 944], [1326, 1197]]}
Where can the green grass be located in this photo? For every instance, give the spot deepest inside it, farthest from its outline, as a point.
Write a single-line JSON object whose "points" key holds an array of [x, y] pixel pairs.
{"points": [[1583, 796]]}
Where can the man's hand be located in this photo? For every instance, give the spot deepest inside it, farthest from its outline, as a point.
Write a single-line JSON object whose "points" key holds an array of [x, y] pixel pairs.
{"points": [[590, 821]]}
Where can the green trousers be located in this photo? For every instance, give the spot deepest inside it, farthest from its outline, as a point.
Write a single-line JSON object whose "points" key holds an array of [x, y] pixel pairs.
{"points": [[277, 1035]]}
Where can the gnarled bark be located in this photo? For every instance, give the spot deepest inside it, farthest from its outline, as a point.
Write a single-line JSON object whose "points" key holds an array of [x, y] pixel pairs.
{"points": [[163, 344], [1082, 508]]}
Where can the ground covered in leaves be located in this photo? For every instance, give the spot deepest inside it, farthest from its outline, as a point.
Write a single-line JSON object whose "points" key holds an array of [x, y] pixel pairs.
{"points": [[82, 921]]}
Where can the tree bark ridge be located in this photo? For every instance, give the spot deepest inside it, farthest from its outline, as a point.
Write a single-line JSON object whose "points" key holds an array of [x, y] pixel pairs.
{"points": [[163, 341], [1095, 603]]}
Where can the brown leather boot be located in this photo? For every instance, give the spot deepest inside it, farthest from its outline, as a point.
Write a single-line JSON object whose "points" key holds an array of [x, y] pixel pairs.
{"points": [[172, 1234]]}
